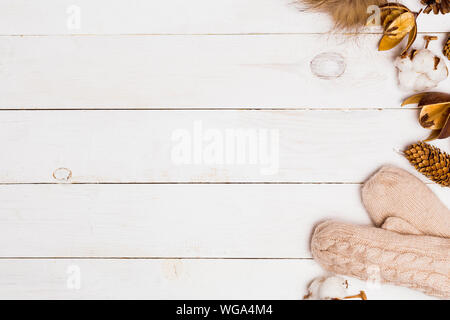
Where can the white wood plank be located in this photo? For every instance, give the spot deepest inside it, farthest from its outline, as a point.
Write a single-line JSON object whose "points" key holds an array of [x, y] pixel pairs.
{"points": [[175, 17], [265, 71], [139, 146], [171, 279], [168, 220], [232, 221]]}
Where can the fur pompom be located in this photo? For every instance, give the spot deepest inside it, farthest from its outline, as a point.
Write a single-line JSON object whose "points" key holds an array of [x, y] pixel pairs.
{"points": [[347, 14]]}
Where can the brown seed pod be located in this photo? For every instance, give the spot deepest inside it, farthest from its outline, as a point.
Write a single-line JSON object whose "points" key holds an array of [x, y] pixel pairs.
{"points": [[435, 113]]}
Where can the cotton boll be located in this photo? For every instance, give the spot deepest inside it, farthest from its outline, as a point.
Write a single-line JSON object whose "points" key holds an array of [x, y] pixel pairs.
{"points": [[440, 73], [423, 61], [423, 83], [407, 80], [327, 288], [419, 71], [314, 289], [333, 287], [403, 63]]}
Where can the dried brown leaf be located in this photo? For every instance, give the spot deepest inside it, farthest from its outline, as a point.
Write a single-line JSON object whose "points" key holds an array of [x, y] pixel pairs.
{"points": [[434, 116], [433, 136], [413, 99], [445, 132], [434, 98], [390, 15], [403, 24], [412, 37], [397, 29], [388, 42]]}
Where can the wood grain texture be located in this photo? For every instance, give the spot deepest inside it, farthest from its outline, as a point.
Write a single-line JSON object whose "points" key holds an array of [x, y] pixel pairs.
{"points": [[171, 279], [174, 17], [257, 71], [220, 221], [168, 220], [313, 146], [102, 186]]}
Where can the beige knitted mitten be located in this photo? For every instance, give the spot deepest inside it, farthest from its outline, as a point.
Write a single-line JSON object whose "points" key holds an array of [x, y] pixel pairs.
{"points": [[415, 261], [398, 201], [412, 247]]}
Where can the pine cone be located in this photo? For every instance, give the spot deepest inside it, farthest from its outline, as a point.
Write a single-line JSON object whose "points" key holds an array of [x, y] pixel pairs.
{"points": [[430, 161], [447, 49], [436, 6]]}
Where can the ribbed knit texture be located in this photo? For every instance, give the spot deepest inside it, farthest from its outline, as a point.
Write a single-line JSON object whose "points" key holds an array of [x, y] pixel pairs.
{"points": [[393, 192], [417, 262], [409, 247]]}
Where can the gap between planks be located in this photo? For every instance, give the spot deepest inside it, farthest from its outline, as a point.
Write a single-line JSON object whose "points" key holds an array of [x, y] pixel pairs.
{"points": [[155, 258], [214, 109], [187, 183], [181, 182], [204, 34]]}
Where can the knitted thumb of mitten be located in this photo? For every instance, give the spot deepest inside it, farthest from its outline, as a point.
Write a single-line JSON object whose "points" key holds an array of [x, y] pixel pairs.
{"points": [[398, 201], [414, 261]]}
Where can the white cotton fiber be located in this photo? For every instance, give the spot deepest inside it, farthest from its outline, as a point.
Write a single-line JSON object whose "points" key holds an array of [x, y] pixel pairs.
{"points": [[328, 288], [421, 71]]}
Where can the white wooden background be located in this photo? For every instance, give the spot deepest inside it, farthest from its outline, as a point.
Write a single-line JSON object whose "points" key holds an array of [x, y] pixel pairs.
{"points": [[103, 101]]}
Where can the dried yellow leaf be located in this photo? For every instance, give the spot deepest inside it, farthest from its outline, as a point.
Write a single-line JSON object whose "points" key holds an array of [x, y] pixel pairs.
{"points": [[445, 132], [387, 42], [401, 25], [389, 16], [434, 116], [396, 28], [435, 113], [412, 37], [394, 5], [413, 99], [433, 136]]}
